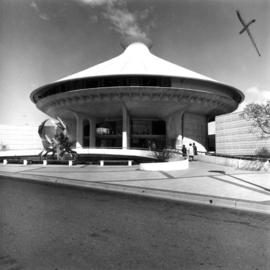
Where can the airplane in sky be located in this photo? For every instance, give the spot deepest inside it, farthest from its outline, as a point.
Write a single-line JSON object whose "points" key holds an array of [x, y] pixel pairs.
{"points": [[246, 28]]}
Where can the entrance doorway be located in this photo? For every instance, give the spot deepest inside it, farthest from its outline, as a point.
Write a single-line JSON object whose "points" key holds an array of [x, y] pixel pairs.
{"points": [[148, 134]]}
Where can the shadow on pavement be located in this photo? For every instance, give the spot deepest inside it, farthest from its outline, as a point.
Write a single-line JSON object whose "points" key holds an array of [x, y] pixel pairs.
{"points": [[239, 179]]}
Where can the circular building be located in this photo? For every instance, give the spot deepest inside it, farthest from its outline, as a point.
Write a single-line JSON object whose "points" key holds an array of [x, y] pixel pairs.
{"points": [[137, 100]]}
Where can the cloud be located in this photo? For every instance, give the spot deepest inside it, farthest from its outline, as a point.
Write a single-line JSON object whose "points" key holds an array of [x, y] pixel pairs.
{"points": [[255, 94], [99, 2], [94, 18], [44, 17], [34, 5], [124, 22], [41, 15]]}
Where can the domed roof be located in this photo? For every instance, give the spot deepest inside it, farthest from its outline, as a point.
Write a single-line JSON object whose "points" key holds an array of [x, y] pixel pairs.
{"points": [[137, 60]]}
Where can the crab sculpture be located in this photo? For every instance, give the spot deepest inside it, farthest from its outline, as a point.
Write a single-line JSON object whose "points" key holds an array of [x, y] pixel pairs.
{"points": [[55, 140]]}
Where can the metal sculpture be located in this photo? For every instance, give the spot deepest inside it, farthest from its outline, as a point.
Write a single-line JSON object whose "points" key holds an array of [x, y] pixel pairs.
{"points": [[246, 28], [56, 141]]}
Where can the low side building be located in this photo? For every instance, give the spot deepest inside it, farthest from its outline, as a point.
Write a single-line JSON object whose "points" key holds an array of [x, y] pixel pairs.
{"points": [[19, 138], [237, 136]]}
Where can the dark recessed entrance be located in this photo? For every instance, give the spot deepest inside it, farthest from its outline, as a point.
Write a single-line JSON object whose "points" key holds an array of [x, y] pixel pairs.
{"points": [[148, 134]]}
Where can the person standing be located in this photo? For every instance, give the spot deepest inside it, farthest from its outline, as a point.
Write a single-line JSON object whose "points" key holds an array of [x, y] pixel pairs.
{"points": [[190, 152], [153, 146], [195, 150], [184, 151]]}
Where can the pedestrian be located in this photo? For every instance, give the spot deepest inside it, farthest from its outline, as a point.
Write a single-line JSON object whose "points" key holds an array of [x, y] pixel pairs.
{"points": [[154, 146], [190, 152], [195, 150], [149, 145], [184, 151]]}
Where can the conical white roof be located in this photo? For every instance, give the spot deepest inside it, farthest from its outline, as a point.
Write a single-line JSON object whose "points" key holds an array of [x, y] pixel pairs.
{"points": [[137, 60]]}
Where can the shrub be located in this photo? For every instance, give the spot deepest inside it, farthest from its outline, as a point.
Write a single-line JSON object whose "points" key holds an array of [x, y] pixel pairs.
{"points": [[163, 155], [262, 152]]}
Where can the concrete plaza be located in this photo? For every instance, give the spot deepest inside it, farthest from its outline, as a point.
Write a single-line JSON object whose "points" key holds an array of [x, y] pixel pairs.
{"points": [[203, 183]]}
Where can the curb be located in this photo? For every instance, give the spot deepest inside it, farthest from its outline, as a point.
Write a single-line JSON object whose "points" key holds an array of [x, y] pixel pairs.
{"points": [[243, 205]]}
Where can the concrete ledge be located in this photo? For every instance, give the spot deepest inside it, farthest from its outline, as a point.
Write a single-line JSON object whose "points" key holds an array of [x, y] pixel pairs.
{"points": [[23, 152], [165, 166], [116, 152], [253, 165], [243, 205]]}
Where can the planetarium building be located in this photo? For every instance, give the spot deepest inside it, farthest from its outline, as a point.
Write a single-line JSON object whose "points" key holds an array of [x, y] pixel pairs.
{"points": [[136, 101]]}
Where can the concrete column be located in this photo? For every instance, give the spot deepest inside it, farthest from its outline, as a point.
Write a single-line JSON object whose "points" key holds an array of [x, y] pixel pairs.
{"points": [[92, 132], [195, 127], [79, 131], [182, 125], [125, 129]]}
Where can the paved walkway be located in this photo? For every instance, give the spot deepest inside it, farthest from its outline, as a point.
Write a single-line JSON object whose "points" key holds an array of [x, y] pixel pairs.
{"points": [[204, 183]]}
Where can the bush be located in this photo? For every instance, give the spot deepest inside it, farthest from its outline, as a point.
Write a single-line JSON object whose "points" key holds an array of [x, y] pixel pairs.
{"points": [[163, 155], [262, 152]]}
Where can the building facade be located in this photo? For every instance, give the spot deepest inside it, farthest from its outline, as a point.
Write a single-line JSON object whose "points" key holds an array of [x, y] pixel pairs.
{"points": [[236, 136], [19, 138], [137, 100]]}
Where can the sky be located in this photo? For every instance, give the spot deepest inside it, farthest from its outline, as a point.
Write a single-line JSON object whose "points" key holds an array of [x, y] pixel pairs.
{"points": [[42, 41]]}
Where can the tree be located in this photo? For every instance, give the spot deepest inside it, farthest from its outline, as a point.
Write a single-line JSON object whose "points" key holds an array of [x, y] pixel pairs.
{"points": [[259, 115]]}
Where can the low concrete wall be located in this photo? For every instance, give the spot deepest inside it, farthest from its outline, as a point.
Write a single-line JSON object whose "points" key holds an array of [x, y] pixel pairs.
{"points": [[14, 153], [165, 166], [111, 151], [253, 165]]}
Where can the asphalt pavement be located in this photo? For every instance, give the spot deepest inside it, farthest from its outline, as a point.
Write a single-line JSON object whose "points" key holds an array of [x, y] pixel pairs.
{"points": [[53, 227]]}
